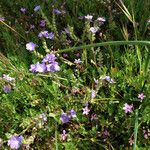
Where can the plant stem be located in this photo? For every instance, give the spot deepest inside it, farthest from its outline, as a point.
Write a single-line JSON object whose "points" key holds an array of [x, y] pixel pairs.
{"points": [[104, 44]]}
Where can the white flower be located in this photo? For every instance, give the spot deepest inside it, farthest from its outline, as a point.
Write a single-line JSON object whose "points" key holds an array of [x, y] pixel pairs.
{"points": [[77, 61], [101, 19], [30, 46], [8, 78], [89, 17], [94, 29]]}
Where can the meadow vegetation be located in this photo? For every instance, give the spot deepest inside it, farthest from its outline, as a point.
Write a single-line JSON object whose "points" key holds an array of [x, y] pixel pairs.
{"points": [[74, 74]]}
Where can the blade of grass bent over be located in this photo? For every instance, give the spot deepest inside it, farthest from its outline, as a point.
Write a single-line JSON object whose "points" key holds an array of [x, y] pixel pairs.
{"points": [[114, 43]]}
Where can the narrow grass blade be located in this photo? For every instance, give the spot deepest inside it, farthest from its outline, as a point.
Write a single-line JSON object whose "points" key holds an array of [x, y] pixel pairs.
{"points": [[135, 129], [115, 43]]}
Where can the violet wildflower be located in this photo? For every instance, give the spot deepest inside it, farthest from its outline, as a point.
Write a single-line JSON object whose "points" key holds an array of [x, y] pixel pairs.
{"points": [[81, 17], [43, 34], [56, 11], [128, 108], [108, 79], [33, 68], [89, 17], [94, 117], [73, 113], [46, 34], [65, 118], [15, 142], [53, 67], [64, 135], [94, 29], [30, 46], [23, 10], [131, 142], [77, 61], [32, 26], [65, 55], [77, 54], [40, 67], [2, 19], [49, 58], [37, 8], [141, 96], [148, 21], [93, 94], [42, 23], [7, 88], [86, 110], [50, 36], [145, 133], [105, 133], [8, 78], [43, 117]]}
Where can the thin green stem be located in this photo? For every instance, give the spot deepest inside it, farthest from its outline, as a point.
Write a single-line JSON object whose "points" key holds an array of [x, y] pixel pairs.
{"points": [[135, 129], [115, 43]]}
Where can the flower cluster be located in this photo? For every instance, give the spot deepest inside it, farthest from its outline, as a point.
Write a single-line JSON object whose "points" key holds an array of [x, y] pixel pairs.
{"points": [[48, 65], [46, 34], [66, 117], [15, 142]]}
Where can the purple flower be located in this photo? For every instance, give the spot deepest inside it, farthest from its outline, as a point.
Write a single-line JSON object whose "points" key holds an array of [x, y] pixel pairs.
{"points": [[37, 8], [56, 11], [2, 19], [65, 55], [94, 117], [30, 46], [73, 113], [38, 67], [53, 67], [8, 78], [23, 10], [42, 23], [43, 34], [93, 94], [86, 110], [64, 135], [141, 96], [15, 142], [81, 17], [46, 34], [43, 117], [32, 26], [128, 108], [77, 54], [65, 118], [108, 79], [94, 29], [7, 88], [51, 36], [49, 58], [33, 68]]}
